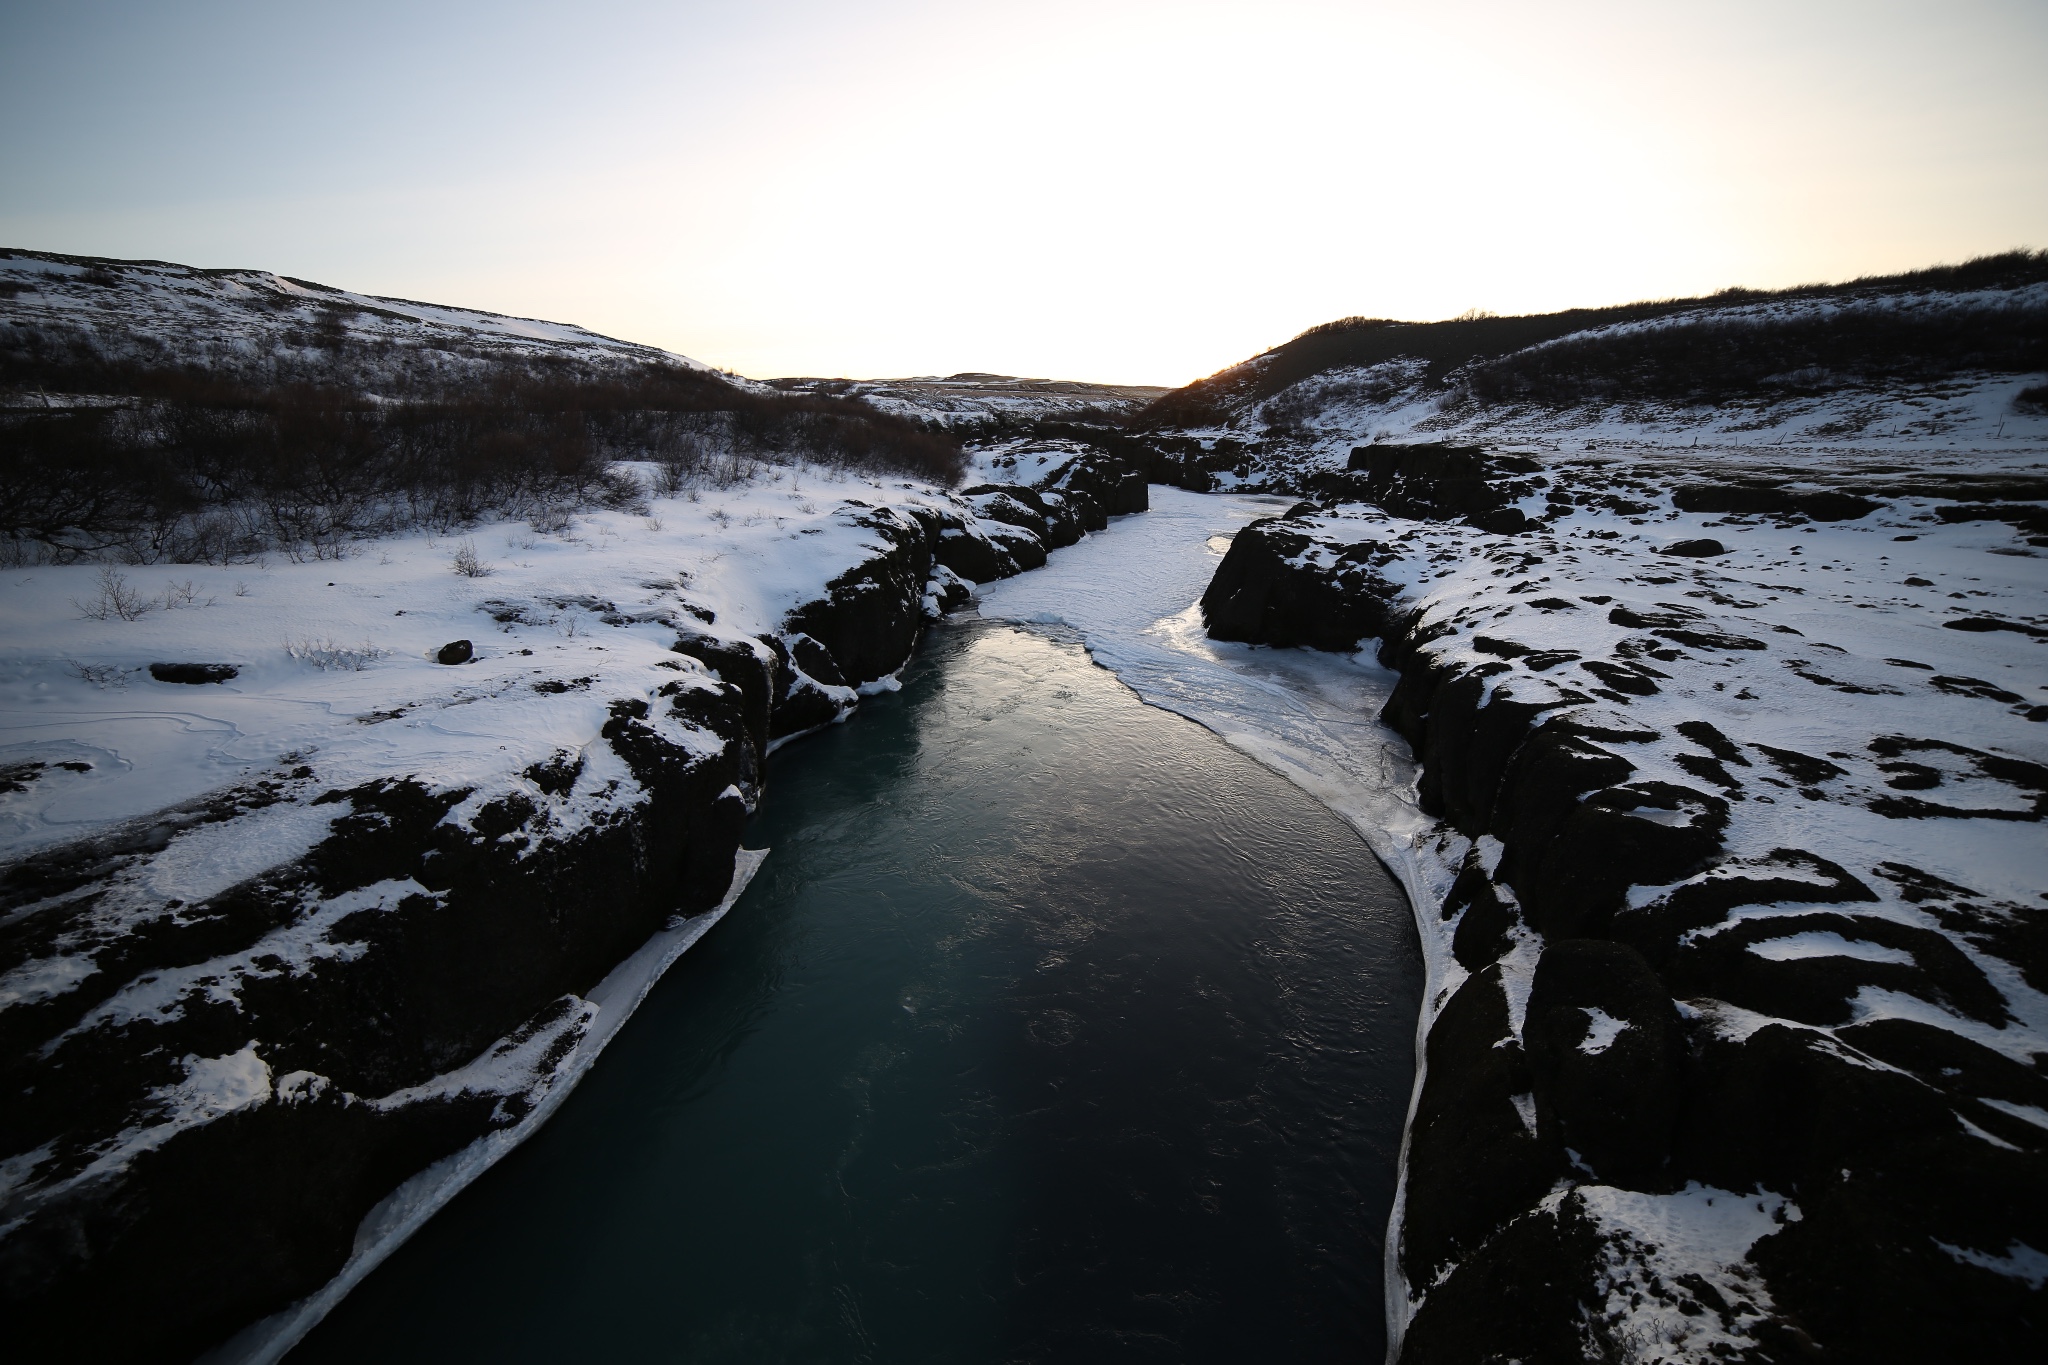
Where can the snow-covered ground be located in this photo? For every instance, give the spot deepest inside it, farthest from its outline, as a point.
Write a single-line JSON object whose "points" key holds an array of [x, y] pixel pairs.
{"points": [[335, 659]]}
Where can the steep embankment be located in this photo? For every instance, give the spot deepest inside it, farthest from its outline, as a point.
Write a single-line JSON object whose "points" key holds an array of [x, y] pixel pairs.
{"points": [[1737, 1037], [329, 877]]}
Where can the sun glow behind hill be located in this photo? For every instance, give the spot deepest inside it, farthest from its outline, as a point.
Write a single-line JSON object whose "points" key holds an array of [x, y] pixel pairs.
{"points": [[1135, 192]]}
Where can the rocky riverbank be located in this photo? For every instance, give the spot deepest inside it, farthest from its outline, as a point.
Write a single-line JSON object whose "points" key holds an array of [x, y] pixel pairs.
{"points": [[236, 1015], [1737, 1042]]}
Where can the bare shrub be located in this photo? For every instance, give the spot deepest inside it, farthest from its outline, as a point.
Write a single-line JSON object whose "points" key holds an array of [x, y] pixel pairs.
{"points": [[101, 676], [331, 657], [619, 490], [467, 563], [184, 594], [117, 600]]}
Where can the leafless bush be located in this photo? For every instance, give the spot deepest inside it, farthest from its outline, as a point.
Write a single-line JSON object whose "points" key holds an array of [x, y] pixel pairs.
{"points": [[468, 564], [551, 519], [330, 657], [619, 490], [676, 465], [184, 594], [100, 675], [116, 600]]}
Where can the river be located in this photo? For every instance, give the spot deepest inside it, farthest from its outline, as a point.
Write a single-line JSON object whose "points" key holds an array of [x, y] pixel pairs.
{"points": [[1054, 1028]]}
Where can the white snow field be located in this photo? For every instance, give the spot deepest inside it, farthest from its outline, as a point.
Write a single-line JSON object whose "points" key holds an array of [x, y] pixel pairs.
{"points": [[336, 668]]}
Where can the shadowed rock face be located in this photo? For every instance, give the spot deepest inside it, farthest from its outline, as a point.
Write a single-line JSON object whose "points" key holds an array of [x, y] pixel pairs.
{"points": [[1436, 482], [1266, 592], [1643, 1011]]}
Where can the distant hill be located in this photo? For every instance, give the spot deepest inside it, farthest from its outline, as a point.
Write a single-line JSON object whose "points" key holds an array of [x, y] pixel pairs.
{"points": [[974, 399], [151, 409], [1987, 314], [65, 320]]}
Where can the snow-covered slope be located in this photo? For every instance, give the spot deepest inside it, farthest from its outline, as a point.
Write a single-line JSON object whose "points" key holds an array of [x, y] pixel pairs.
{"points": [[1950, 358], [1330, 415], [254, 324]]}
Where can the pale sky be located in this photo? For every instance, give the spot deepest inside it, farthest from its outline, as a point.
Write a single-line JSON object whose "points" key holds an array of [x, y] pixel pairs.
{"points": [[1118, 190]]}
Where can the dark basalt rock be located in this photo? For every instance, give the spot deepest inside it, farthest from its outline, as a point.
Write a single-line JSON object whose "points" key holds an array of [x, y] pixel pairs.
{"points": [[193, 673], [1884, 1175], [1981, 624], [1735, 965], [1011, 504], [1114, 487], [1483, 934], [1612, 1092], [948, 590], [871, 616], [973, 555], [1435, 482], [1524, 1296], [1022, 548], [1467, 746], [1695, 549], [757, 670], [1573, 884], [1642, 1061], [1473, 1163], [1768, 500], [1264, 592], [455, 652], [1057, 520], [1805, 879], [1547, 776]]}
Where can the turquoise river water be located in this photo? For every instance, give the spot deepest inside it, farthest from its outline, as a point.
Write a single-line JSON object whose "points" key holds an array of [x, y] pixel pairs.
{"points": [[1053, 1029]]}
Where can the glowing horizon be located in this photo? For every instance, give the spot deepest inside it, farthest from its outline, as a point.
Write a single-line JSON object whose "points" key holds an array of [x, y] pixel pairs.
{"points": [[1124, 193]]}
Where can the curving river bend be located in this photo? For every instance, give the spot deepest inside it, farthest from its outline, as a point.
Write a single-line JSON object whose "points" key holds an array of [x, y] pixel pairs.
{"points": [[1054, 1028]]}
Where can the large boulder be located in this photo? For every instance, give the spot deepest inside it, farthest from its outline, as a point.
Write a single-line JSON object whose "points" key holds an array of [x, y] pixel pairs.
{"points": [[1279, 586]]}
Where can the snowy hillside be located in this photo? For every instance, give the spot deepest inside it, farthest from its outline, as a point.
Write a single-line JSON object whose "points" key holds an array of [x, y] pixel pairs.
{"points": [[153, 412], [1952, 358], [251, 323]]}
